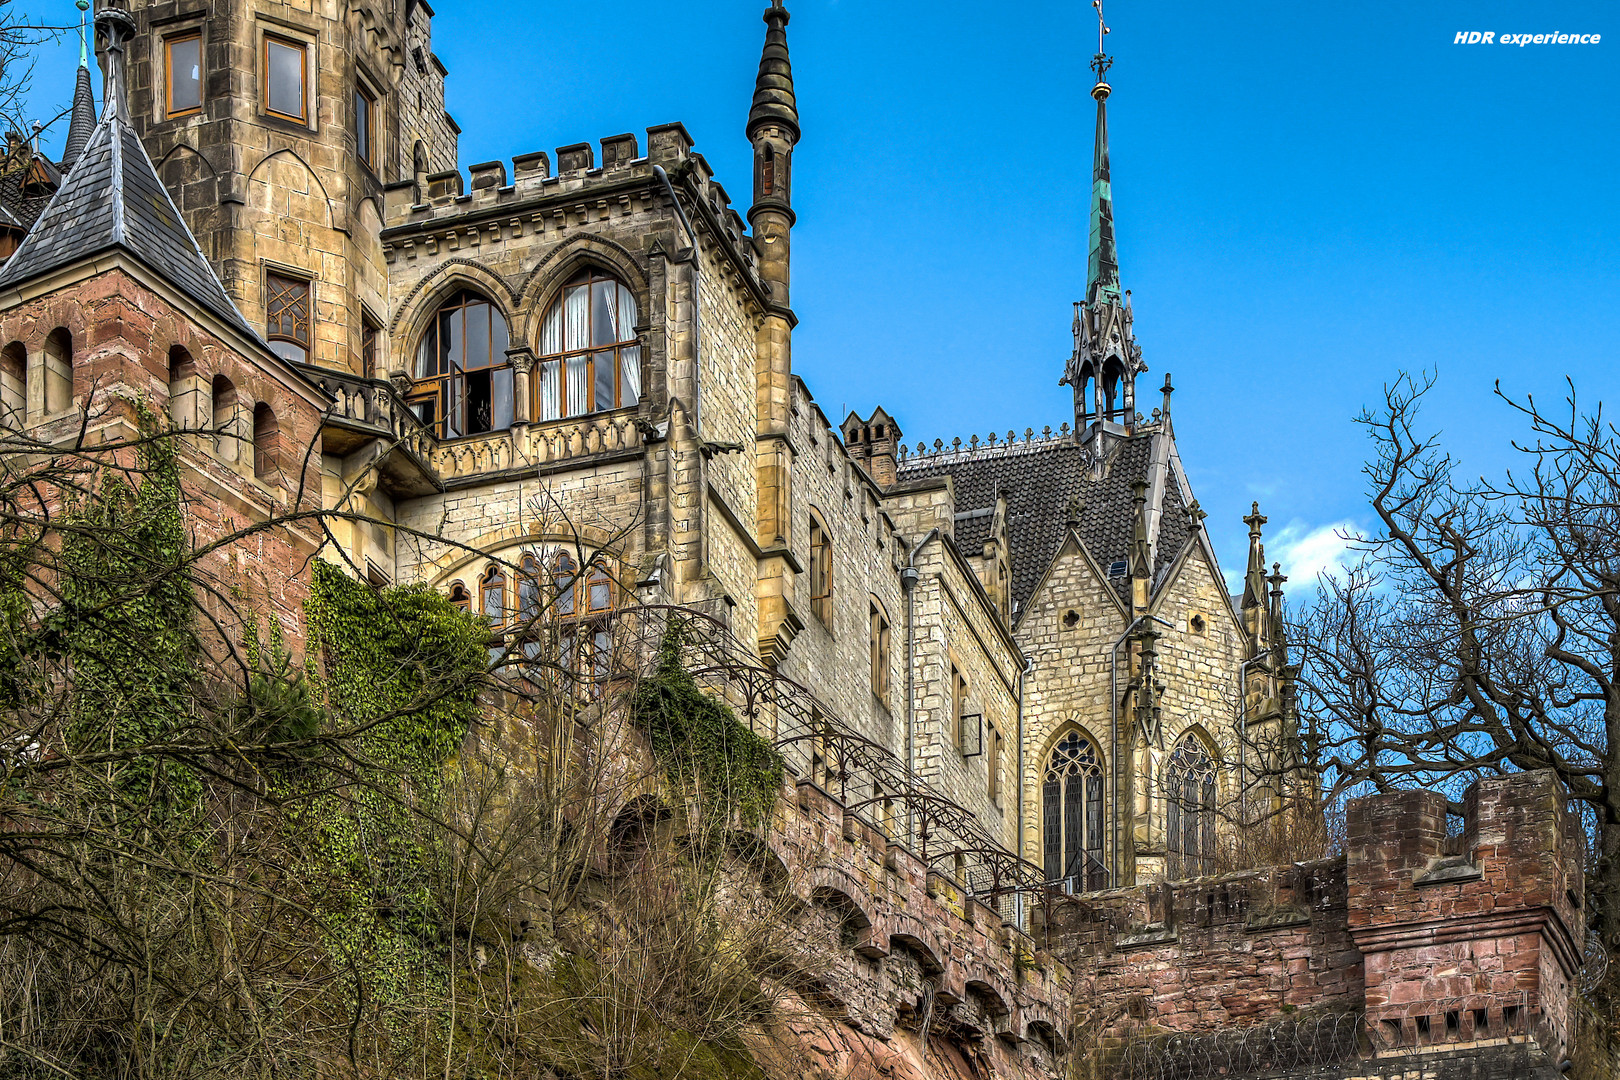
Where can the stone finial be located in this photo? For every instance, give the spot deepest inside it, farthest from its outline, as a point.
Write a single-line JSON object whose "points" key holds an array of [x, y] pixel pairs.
{"points": [[114, 29]]}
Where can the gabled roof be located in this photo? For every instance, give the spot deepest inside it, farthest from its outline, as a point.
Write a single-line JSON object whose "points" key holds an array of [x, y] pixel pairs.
{"points": [[1039, 479], [112, 198]]}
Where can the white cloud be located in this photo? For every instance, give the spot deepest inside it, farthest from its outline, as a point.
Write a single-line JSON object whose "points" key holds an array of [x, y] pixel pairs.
{"points": [[1307, 551]]}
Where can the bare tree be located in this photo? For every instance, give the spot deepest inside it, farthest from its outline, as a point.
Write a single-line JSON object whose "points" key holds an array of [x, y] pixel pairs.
{"points": [[1480, 631]]}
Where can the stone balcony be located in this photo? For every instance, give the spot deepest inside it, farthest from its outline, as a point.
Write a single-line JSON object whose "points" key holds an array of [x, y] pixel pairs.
{"points": [[412, 461]]}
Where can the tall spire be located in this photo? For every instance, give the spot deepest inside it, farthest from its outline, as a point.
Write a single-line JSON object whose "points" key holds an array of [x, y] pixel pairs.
{"points": [[1102, 265], [773, 88], [1102, 369], [83, 120]]}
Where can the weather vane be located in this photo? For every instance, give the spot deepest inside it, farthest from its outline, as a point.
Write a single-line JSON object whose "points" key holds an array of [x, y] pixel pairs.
{"points": [[1102, 61]]}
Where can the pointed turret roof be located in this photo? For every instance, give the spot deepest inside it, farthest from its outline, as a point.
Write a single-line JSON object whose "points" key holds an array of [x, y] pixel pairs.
{"points": [[113, 199], [774, 102], [83, 120]]}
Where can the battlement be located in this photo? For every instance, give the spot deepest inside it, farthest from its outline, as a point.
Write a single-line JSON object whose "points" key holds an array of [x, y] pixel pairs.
{"points": [[1440, 940], [492, 203]]}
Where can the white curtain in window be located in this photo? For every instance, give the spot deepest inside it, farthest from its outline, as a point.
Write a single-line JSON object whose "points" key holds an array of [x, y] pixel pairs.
{"points": [[578, 372], [551, 389], [551, 331], [628, 316], [578, 301], [630, 374]]}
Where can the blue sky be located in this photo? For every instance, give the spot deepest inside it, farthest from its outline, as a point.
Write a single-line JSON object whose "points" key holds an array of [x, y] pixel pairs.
{"points": [[1309, 198]]}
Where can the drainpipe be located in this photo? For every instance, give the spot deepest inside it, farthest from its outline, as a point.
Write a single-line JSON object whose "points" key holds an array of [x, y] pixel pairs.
{"points": [[1018, 897], [908, 582], [1113, 739], [697, 321]]}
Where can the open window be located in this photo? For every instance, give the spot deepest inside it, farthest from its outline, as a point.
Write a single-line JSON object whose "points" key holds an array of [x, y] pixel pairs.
{"points": [[820, 564], [463, 375]]}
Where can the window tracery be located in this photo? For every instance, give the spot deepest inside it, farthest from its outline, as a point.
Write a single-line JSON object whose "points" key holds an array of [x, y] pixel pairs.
{"points": [[1189, 784], [1072, 815]]}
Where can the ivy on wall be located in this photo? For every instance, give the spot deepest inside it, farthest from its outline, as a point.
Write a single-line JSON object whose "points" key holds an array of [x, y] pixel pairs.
{"points": [[701, 744]]}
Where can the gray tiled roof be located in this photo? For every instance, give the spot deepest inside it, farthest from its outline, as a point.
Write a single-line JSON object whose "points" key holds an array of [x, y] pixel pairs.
{"points": [[113, 198], [1039, 479]]}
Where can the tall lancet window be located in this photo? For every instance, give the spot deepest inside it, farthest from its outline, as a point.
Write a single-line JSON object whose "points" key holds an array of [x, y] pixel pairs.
{"points": [[590, 358], [1072, 815], [1189, 791]]}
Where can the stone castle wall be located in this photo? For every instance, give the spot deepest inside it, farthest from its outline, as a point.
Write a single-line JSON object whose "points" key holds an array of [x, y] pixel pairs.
{"points": [[1460, 948]]}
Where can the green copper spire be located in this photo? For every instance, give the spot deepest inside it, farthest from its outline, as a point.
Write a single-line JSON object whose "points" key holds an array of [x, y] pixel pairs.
{"points": [[84, 51], [1102, 267]]}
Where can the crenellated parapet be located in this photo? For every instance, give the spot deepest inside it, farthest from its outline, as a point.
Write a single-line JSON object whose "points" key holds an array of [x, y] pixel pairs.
{"points": [[1451, 939]]}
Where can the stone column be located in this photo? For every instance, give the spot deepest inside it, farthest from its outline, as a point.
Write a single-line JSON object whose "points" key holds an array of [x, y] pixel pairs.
{"points": [[522, 365]]}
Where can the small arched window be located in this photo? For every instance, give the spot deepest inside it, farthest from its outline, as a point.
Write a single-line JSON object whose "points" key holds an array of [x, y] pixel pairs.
{"points": [[463, 375], [598, 590], [492, 595], [184, 390], [564, 573], [1113, 375], [58, 372], [223, 411], [590, 358], [528, 589], [459, 597], [820, 569], [266, 441], [1189, 790], [14, 385], [1072, 815]]}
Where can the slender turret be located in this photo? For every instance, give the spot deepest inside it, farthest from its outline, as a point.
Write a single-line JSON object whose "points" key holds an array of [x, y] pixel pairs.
{"points": [[83, 115], [1102, 369]]}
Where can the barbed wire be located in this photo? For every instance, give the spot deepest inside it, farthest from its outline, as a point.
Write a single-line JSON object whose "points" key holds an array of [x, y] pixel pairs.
{"points": [[1289, 1043]]}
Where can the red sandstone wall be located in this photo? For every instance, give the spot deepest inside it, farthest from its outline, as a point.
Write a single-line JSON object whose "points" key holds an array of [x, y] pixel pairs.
{"points": [[122, 333]]}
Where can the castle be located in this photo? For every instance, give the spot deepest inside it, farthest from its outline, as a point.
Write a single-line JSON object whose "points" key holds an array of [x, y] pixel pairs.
{"points": [[573, 377]]}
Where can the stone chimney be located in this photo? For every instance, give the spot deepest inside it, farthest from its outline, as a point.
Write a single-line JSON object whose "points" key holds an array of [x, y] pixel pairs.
{"points": [[873, 442]]}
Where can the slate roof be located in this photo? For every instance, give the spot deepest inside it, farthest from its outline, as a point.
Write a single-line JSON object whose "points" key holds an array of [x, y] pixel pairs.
{"points": [[1038, 479], [22, 205], [113, 198]]}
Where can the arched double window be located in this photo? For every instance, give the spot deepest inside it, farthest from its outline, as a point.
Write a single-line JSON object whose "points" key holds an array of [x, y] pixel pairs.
{"points": [[590, 358], [1072, 815], [463, 375], [1189, 790]]}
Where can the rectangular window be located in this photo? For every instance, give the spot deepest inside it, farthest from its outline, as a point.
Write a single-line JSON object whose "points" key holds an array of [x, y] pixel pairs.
{"points": [[880, 652], [286, 79], [368, 346], [993, 787], [959, 693], [183, 65], [365, 110], [820, 572], [286, 305]]}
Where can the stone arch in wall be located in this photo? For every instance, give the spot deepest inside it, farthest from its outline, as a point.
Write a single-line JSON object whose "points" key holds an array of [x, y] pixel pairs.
{"points": [[193, 184], [414, 314], [283, 185], [561, 265]]}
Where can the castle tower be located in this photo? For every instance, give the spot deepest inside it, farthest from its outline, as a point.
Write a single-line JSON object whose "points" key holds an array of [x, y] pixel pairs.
{"points": [[276, 131], [773, 129], [1102, 369]]}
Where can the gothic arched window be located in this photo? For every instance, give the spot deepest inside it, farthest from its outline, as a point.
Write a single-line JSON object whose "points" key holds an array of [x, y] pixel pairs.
{"points": [[590, 358], [463, 376], [528, 589], [492, 595], [1189, 789], [1072, 814]]}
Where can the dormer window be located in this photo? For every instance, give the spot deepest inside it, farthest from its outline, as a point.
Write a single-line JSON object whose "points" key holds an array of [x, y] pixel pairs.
{"points": [[590, 358], [463, 376]]}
